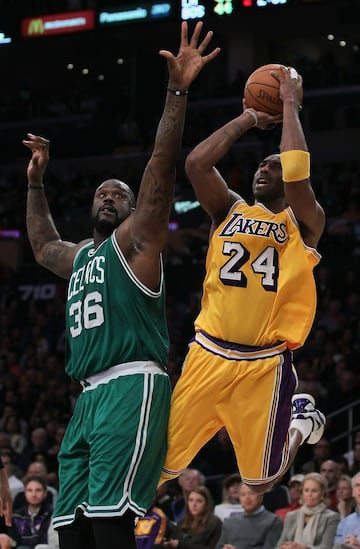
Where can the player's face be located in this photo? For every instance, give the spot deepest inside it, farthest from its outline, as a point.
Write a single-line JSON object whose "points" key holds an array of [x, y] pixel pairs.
{"points": [[267, 183], [111, 205]]}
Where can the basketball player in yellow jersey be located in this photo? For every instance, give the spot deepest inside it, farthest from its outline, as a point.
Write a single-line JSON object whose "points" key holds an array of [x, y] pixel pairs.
{"points": [[258, 304]]}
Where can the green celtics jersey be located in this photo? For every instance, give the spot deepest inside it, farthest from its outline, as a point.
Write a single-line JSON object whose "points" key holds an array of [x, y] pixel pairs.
{"points": [[112, 318]]}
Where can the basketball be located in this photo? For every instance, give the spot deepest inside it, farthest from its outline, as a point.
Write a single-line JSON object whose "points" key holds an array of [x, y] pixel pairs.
{"points": [[262, 90]]}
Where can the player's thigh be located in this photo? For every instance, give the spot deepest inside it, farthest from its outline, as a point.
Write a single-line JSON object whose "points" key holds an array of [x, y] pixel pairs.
{"points": [[128, 442], [193, 414]]}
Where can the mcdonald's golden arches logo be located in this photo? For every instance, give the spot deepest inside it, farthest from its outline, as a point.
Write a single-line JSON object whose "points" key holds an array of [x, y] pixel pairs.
{"points": [[36, 26]]}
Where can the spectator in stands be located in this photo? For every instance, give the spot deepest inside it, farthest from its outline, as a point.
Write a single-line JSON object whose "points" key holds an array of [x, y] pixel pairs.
{"points": [[277, 498], [330, 471], [342, 465], [230, 505], [16, 485], [164, 497], [348, 530], [13, 410], [187, 480], [321, 452], [199, 527], [38, 443], [313, 524], [32, 521], [37, 469], [12, 426], [5, 496], [355, 467], [255, 527], [346, 504], [295, 489], [350, 453]]}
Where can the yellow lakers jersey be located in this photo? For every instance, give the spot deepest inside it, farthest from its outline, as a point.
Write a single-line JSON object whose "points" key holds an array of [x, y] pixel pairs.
{"points": [[259, 286]]}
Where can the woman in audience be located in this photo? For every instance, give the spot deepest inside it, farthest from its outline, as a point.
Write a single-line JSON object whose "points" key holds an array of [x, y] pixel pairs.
{"points": [[199, 528], [313, 524]]}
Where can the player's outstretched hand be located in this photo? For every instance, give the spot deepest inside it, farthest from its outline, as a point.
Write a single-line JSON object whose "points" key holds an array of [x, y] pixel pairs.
{"points": [[39, 147], [186, 65]]}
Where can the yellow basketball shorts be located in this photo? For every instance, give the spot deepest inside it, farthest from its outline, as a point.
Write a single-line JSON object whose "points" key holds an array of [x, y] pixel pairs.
{"points": [[246, 389]]}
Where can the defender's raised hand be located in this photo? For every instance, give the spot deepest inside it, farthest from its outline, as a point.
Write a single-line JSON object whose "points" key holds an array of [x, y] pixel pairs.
{"points": [[39, 147], [186, 65]]}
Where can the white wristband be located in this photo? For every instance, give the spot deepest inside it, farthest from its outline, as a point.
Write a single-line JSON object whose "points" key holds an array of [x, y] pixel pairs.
{"points": [[253, 114]]}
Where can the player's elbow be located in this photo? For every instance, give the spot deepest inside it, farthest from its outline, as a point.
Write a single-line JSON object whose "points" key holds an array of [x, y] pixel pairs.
{"points": [[193, 165]]}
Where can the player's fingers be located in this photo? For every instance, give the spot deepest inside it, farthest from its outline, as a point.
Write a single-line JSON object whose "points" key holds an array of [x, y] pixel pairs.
{"points": [[293, 73], [195, 35], [205, 42], [211, 55]]}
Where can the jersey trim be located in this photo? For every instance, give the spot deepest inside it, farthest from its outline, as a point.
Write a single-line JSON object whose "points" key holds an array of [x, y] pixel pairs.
{"points": [[295, 221], [234, 351], [130, 273], [91, 244], [128, 368]]}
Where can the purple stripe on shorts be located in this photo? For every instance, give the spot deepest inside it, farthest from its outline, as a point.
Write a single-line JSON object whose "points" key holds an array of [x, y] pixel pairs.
{"points": [[283, 415]]}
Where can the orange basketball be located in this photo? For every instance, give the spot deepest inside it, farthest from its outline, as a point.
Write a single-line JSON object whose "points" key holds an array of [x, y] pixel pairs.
{"points": [[262, 90]]}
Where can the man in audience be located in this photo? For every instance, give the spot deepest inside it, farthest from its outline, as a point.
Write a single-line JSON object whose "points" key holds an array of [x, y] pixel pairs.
{"points": [[256, 527], [329, 469], [348, 530], [38, 469], [321, 452]]}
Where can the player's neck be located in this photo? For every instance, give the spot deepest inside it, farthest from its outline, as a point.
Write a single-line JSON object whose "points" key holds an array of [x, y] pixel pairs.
{"points": [[277, 205]]}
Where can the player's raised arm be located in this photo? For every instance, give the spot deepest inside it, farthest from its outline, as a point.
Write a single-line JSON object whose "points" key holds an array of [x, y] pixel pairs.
{"points": [[149, 223], [49, 250], [209, 186], [295, 161]]}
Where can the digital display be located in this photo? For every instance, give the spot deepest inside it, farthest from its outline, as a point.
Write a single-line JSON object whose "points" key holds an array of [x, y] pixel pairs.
{"points": [[198, 9], [141, 11]]}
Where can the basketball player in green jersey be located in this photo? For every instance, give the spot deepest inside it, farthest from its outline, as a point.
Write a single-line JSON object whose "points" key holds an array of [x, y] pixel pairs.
{"points": [[258, 304], [117, 338]]}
